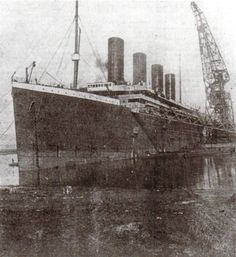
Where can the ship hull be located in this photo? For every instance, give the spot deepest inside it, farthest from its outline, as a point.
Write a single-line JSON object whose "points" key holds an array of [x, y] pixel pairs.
{"points": [[57, 130]]}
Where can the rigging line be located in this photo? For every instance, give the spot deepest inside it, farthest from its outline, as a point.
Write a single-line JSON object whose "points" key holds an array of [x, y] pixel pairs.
{"points": [[96, 56], [96, 53], [66, 45], [89, 65], [63, 55], [3, 109], [59, 45], [53, 77], [7, 129], [37, 43]]}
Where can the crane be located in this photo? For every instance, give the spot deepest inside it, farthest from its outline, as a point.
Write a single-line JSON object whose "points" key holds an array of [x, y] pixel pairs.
{"points": [[27, 75], [218, 107]]}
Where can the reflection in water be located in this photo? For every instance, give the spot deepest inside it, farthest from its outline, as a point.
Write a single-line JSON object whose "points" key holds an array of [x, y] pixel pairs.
{"points": [[219, 172], [163, 172], [147, 208]]}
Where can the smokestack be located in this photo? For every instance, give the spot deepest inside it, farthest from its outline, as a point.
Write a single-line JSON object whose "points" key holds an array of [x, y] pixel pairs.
{"points": [[157, 78], [116, 60], [170, 86], [139, 68]]}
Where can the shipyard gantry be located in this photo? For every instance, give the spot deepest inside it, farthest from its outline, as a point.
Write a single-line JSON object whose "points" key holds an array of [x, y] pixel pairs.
{"points": [[219, 110]]}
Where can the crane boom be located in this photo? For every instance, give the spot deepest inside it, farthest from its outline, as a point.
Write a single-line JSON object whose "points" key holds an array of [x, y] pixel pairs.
{"points": [[215, 75]]}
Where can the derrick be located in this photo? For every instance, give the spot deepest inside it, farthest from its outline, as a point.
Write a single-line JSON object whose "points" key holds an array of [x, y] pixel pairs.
{"points": [[218, 107]]}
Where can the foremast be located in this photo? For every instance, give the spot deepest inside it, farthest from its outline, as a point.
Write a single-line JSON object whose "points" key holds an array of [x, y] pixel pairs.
{"points": [[76, 55]]}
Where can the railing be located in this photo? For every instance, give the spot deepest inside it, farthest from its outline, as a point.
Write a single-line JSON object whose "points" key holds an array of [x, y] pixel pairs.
{"points": [[35, 82]]}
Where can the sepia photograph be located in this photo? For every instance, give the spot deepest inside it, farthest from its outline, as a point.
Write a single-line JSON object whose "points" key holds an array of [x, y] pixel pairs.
{"points": [[117, 128]]}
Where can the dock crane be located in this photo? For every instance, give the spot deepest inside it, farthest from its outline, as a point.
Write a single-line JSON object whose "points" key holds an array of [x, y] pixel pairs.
{"points": [[27, 75], [218, 107]]}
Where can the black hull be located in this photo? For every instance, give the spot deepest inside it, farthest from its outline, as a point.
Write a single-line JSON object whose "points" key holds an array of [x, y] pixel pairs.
{"points": [[57, 130]]}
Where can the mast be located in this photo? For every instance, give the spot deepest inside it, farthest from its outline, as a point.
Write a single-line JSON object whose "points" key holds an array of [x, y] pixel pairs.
{"points": [[180, 80], [76, 56]]}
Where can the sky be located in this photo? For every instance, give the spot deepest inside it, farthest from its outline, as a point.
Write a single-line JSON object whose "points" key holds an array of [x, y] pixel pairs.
{"points": [[41, 31]]}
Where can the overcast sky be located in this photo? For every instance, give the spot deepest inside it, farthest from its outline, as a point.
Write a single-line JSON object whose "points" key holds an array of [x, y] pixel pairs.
{"points": [[31, 30]]}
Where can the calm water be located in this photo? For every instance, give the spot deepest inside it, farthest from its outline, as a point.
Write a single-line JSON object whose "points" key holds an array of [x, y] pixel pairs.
{"points": [[164, 207], [8, 175]]}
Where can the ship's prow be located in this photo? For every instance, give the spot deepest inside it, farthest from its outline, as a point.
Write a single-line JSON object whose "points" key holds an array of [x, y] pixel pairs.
{"points": [[115, 119]]}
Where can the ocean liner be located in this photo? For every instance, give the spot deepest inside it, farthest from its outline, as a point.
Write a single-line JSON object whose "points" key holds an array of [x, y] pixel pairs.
{"points": [[115, 120]]}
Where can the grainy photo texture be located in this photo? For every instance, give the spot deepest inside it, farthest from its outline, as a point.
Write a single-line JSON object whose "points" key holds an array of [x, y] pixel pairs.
{"points": [[117, 128]]}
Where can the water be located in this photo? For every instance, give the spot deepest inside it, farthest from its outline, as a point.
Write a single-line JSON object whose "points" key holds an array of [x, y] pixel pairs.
{"points": [[164, 207], [8, 175]]}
